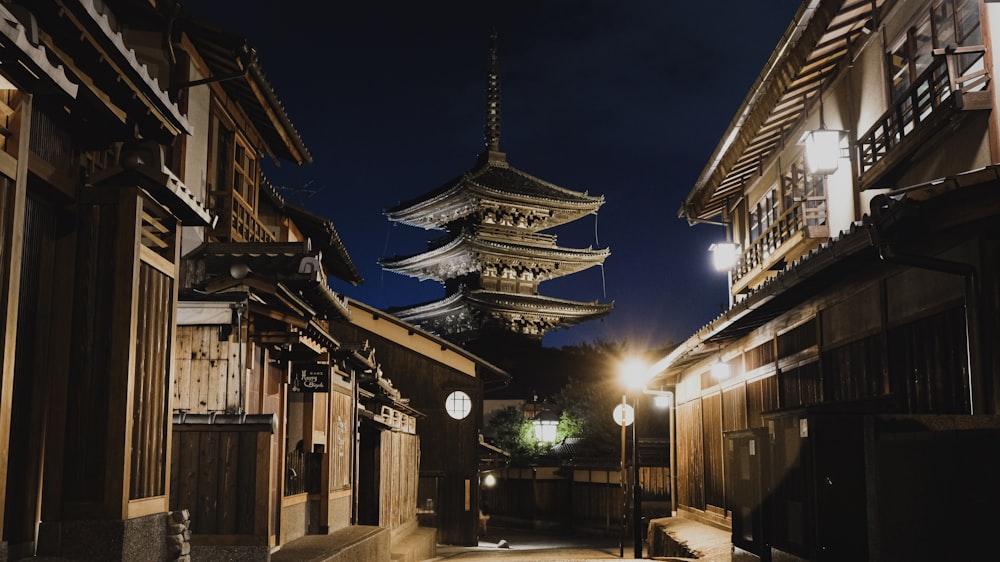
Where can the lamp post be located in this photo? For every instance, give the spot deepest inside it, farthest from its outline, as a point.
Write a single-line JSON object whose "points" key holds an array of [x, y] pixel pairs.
{"points": [[624, 415], [635, 373]]}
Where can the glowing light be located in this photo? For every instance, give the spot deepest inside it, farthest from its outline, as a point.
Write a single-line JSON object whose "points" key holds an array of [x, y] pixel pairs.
{"points": [[720, 370], [458, 405], [724, 255], [545, 426], [489, 481], [663, 400], [634, 373], [822, 151]]}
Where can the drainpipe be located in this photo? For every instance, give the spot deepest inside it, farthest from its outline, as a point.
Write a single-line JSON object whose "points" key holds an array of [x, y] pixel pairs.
{"points": [[672, 433], [238, 310], [969, 302], [356, 436]]}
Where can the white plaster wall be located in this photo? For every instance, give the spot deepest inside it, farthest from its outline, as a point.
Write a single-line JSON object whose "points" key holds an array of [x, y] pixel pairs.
{"points": [[194, 174]]}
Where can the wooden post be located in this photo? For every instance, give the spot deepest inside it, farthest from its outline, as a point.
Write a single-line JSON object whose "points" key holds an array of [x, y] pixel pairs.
{"points": [[13, 224], [121, 361]]}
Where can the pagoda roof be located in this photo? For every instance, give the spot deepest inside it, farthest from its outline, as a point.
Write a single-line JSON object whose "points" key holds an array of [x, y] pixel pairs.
{"points": [[493, 180], [465, 309], [462, 255]]}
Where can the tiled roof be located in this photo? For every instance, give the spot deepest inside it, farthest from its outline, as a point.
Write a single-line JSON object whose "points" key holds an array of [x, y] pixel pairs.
{"points": [[493, 178], [229, 55]]}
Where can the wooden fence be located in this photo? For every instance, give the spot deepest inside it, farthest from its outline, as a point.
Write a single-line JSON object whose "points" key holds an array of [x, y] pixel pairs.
{"points": [[590, 499], [220, 472]]}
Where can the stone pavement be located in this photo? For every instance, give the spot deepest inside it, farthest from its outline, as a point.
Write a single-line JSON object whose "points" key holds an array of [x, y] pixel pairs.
{"points": [[689, 540]]}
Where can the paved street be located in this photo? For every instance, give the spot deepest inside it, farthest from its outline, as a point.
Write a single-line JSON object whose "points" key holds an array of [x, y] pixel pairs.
{"points": [[527, 545]]}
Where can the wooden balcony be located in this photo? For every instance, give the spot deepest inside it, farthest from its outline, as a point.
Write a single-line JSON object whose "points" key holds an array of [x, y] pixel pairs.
{"points": [[244, 226], [805, 219], [930, 103]]}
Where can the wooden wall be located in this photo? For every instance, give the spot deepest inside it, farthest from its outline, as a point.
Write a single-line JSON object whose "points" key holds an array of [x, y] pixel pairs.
{"points": [[400, 459], [449, 447], [221, 473], [206, 376]]}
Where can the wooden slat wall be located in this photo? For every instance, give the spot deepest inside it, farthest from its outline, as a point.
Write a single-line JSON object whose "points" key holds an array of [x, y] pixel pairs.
{"points": [[801, 386], [734, 408], [762, 396], [655, 482], [714, 472], [927, 361], [207, 371], [215, 475], [340, 442], [400, 462], [150, 406], [690, 455]]}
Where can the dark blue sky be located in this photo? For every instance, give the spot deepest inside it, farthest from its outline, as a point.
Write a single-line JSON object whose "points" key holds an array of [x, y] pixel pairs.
{"points": [[622, 98]]}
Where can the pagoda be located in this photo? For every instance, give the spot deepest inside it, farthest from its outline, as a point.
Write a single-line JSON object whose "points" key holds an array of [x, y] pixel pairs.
{"points": [[494, 255]]}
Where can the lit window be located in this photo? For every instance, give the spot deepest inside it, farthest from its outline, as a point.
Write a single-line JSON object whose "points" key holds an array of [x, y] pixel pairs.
{"points": [[458, 405]]}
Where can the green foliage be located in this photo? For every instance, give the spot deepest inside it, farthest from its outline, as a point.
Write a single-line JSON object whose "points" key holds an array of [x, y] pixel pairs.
{"points": [[511, 432], [589, 388]]}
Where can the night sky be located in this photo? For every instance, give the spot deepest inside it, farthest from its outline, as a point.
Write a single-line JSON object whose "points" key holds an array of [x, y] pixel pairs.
{"points": [[627, 99]]}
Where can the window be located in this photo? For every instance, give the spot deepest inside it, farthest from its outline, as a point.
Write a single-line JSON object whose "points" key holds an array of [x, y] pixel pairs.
{"points": [[234, 165], [245, 173], [458, 405], [949, 23], [798, 186], [765, 214]]}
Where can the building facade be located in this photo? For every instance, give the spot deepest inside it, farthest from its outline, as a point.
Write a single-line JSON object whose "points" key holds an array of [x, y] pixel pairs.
{"points": [[852, 370], [445, 384], [170, 384]]}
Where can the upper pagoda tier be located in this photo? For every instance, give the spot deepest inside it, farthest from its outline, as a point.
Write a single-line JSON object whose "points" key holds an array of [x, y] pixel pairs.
{"points": [[496, 254], [494, 192]]}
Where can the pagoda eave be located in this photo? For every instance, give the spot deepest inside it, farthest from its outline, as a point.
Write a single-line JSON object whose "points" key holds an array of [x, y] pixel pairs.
{"points": [[531, 315], [467, 254]]}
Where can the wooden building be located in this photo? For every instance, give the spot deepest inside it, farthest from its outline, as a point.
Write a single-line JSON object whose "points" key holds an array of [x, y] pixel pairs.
{"points": [[445, 384], [857, 380], [170, 380], [495, 255]]}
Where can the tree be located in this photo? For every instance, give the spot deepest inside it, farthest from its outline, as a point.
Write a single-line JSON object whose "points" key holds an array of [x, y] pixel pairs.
{"points": [[514, 434]]}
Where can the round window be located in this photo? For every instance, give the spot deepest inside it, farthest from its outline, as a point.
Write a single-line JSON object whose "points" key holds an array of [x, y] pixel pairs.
{"points": [[458, 405]]}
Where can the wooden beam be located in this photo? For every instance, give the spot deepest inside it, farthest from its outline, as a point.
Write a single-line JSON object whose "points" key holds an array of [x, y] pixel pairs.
{"points": [[13, 225]]}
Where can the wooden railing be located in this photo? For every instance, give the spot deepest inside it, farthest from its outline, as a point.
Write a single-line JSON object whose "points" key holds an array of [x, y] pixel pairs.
{"points": [[246, 227], [943, 81], [514, 235], [787, 225]]}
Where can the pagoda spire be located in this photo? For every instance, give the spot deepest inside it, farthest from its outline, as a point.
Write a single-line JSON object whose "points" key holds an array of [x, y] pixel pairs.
{"points": [[492, 129]]}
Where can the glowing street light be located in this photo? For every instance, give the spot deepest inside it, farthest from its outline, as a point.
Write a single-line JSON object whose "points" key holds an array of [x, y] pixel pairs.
{"points": [[720, 370], [725, 255], [635, 375], [545, 424]]}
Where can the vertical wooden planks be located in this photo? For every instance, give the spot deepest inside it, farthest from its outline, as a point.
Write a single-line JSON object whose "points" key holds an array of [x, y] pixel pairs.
{"points": [[233, 400], [204, 512], [182, 368], [228, 476]]}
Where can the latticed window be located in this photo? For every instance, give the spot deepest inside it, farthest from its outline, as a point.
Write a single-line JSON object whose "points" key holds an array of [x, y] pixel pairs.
{"points": [[234, 172], [245, 173], [948, 23], [799, 186]]}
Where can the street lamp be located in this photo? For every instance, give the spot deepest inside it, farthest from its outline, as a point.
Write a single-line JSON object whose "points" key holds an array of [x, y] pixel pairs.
{"points": [[545, 424], [635, 374], [624, 415]]}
